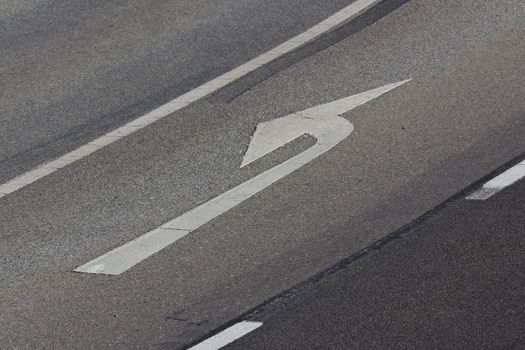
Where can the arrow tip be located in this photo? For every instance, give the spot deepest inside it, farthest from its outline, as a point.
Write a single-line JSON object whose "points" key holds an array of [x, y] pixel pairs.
{"points": [[271, 135], [246, 160]]}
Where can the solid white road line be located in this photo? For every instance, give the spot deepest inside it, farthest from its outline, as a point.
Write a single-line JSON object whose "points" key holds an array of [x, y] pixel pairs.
{"points": [[498, 183], [323, 122], [227, 336], [346, 14]]}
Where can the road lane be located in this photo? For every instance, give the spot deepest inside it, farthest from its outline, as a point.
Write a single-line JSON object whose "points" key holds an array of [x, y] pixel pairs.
{"points": [[455, 280], [338, 19], [74, 70], [396, 167]]}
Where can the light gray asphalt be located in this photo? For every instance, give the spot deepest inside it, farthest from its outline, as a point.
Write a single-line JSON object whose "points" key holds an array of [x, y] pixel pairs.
{"points": [[460, 117], [454, 281]]}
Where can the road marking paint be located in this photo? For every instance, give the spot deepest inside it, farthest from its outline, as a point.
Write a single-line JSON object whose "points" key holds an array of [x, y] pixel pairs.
{"points": [[500, 182], [339, 18], [227, 336], [323, 122]]}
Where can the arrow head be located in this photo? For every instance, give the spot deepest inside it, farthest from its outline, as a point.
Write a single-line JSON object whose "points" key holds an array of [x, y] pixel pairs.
{"points": [[273, 134], [315, 121]]}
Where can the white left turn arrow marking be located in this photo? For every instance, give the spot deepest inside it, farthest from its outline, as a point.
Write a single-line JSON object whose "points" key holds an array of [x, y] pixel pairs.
{"points": [[323, 122]]}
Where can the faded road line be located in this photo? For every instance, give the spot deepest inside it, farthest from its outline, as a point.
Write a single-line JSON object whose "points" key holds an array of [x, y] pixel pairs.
{"points": [[346, 14], [227, 336], [500, 182]]}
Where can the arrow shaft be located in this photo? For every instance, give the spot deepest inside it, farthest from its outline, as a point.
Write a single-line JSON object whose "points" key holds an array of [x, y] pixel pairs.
{"points": [[124, 257]]}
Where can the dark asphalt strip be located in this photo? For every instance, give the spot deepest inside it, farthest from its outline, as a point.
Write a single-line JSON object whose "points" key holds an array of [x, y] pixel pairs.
{"points": [[229, 93], [399, 234]]}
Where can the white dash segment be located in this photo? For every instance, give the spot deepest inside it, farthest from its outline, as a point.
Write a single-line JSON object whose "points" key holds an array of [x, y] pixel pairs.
{"points": [[227, 336], [339, 18], [500, 182]]}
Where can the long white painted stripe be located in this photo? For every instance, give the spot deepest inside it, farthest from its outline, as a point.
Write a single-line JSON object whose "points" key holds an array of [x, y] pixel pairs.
{"points": [[346, 14], [500, 182], [227, 336]]}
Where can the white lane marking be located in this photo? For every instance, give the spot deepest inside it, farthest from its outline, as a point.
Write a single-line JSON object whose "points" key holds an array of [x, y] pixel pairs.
{"points": [[227, 336], [346, 14], [500, 182], [323, 122]]}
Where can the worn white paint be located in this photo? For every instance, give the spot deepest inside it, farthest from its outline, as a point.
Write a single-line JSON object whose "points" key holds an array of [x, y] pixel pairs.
{"points": [[500, 182], [346, 14], [323, 122], [227, 336]]}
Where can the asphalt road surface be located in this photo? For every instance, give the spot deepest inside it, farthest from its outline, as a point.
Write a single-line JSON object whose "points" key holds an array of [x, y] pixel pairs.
{"points": [[71, 72], [454, 280]]}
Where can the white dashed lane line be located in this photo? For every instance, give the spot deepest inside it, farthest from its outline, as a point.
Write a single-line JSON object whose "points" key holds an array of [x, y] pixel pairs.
{"points": [[339, 18], [227, 336], [500, 182]]}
